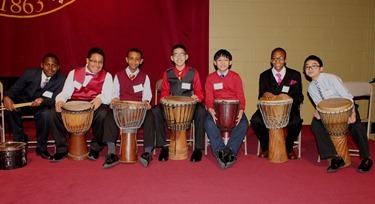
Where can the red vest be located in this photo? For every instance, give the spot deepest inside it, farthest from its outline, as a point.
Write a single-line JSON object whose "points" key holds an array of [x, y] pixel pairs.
{"points": [[126, 86], [92, 89]]}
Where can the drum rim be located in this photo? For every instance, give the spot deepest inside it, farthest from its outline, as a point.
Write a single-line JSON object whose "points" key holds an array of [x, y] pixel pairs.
{"points": [[167, 100], [22, 145], [80, 103], [346, 106], [230, 101]]}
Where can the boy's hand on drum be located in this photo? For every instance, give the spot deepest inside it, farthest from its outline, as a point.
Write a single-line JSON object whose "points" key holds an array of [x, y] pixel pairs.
{"points": [[148, 104], [316, 114], [352, 118], [213, 114], [58, 106], [195, 97], [96, 102], [268, 95], [113, 102], [239, 117]]}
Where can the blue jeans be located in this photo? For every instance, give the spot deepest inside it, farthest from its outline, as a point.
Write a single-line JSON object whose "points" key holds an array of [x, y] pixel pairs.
{"points": [[236, 136]]}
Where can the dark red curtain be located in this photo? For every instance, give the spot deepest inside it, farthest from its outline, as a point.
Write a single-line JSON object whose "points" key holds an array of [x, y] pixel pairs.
{"points": [[153, 26]]}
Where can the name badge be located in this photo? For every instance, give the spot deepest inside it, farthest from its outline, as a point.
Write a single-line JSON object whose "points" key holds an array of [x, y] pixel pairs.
{"points": [[186, 86], [77, 85], [47, 94], [285, 89], [138, 88], [218, 86]]}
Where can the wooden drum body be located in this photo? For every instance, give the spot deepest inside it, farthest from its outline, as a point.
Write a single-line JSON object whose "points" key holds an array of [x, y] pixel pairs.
{"points": [[334, 114], [226, 114], [129, 116], [13, 155], [77, 117], [178, 111], [275, 113]]}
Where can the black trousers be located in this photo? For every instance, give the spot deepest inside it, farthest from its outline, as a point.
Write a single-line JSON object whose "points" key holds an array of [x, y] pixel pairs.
{"points": [[98, 122], [111, 130], [199, 119], [294, 127], [42, 122], [325, 145]]}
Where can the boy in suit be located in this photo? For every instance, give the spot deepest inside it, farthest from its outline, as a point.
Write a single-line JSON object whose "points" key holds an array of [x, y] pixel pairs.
{"points": [[39, 86], [279, 80]]}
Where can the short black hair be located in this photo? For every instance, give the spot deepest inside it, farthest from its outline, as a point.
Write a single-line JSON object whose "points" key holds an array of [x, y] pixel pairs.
{"points": [[96, 50], [48, 55], [224, 53], [278, 49], [313, 57], [135, 50], [178, 46]]}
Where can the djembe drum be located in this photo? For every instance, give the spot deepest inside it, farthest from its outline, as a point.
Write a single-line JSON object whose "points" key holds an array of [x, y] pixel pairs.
{"points": [[275, 113], [334, 114], [77, 117], [226, 114], [129, 116], [178, 111], [13, 155]]}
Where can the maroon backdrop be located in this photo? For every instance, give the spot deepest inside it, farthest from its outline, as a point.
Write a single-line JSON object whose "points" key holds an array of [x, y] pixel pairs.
{"points": [[70, 28]]}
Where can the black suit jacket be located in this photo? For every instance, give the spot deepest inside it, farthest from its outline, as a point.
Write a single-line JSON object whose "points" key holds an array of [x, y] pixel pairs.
{"points": [[292, 78], [27, 87]]}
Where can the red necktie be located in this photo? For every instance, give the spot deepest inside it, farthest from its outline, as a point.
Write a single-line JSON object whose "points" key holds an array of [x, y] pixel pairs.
{"points": [[132, 77], [90, 74], [179, 75]]}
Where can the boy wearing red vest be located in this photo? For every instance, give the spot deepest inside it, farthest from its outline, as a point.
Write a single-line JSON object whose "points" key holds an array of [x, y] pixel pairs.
{"points": [[90, 83], [130, 84]]}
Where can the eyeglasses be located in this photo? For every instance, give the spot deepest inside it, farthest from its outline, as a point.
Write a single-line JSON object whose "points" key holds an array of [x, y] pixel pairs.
{"points": [[313, 67], [278, 58], [175, 55], [96, 62]]}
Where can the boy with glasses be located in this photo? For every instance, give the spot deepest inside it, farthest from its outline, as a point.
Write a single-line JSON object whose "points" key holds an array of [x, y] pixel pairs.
{"points": [[326, 86], [181, 80], [279, 80], [90, 83]]}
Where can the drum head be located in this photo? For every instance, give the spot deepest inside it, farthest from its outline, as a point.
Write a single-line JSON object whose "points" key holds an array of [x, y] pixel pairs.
{"points": [[130, 104], [334, 104], [12, 146], [177, 100], [77, 105], [277, 99], [224, 101]]}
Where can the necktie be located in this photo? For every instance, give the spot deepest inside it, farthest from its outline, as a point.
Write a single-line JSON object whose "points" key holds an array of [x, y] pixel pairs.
{"points": [[179, 75], [319, 90], [132, 77], [44, 83], [279, 79], [222, 76]]}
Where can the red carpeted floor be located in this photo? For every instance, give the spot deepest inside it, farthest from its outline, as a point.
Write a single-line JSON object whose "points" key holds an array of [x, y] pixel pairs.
{"points": [[250, 180]]}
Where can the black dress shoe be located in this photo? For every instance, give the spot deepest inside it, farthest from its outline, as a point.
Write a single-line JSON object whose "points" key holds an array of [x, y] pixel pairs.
{"points": [[58, 157], [230, 160], [44, 154], [93, 155], [219, 156], [163, 154], [365, 165], [196, 156], [292, 156], [145, 159], [336, 163], [110, 161], [263, 154]]}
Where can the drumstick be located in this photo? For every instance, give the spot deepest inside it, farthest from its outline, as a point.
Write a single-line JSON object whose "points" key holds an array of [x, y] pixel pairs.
{"points": [[18, 105]]}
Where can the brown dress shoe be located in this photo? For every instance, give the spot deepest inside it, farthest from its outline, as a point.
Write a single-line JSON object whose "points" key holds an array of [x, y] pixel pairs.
{"points": [[292, 156], [263, 154]]}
